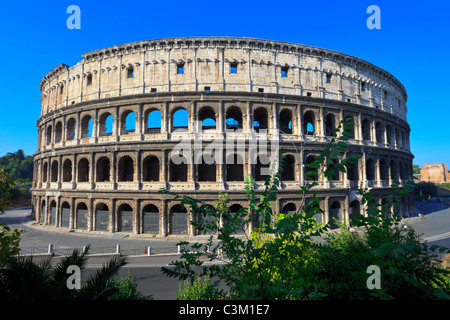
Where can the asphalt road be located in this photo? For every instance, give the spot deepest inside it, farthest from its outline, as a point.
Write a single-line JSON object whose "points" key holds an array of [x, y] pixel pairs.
{"points": [[434, 228]]}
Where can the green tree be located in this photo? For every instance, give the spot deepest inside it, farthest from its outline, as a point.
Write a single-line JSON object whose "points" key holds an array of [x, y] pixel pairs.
{"points": [[24, 279], [282, 258]]}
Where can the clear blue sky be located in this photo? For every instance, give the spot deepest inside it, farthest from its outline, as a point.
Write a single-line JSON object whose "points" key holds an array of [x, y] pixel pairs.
{"points": [[413, 44]]}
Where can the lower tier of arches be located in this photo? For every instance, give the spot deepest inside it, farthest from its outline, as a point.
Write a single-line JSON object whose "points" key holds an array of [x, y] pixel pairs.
{"points": [[157, 215]]}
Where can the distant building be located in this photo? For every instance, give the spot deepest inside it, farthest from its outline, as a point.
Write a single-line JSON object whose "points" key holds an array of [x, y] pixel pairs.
{"points": [[437, 173]]}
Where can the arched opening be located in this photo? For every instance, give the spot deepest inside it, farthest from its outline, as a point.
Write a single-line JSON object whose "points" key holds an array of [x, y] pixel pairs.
{"points": [[83, 170], [125, 218], [366, 130], [329, 125], [309, 123], [150, 219], [43, 211], [153, 121], [178, 168], [207, 117], [126, 169], [354, 210], [285, 121], [180, 119], [353, 171], [384, 170], [289, 208], [235, 209], [86, 127], [390, 135], [65, 214], [128, 122], [106, 124], [370, 169], [262, 168], [67, 170], [350, 126], [101, 217], [233, 118], [54, 171], [260, 120], [49, 135], [206, 169], [150, 169], [310, 159], [288, 173], [70, 129], [334, 214], [208, 220], [178, 220], [394, 170], [58, 132], [103, 170], [234, 168], [45, 172], [81, 216], [379, 132], [52, 212]]}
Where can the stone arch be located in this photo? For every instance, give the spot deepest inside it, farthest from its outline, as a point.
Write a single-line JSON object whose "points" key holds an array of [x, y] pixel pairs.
{"points": [[70, 129], [178, 168], [58, 132], [260, 119], [384, 169], [128, 122], [53, 212], [288, 173], [178, 220], [234, 167], [354, 209], [125, 218], [370, 169], [65, 214], [126, 169], [366, 130], [67, 171], [206, 168], [310, 159], [86, 126], [45, 172], [330, 125], [150, 168], [83, 170], [285, 121], [54, 171], [207, 117], [153, 120], [289, 208], [334, 212], [309, 123], [103, 169], [101, 217], [150, 219], [106, 124], [49, 134], [379, 132], [180, 119], [233, 118], [81, 216]]}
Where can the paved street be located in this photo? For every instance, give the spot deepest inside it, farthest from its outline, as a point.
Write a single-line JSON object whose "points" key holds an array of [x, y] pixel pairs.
{"points": [[434, 228]]}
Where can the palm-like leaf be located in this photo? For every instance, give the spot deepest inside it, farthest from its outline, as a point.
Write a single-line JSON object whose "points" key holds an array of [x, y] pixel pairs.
{"points": [[99, 286]]}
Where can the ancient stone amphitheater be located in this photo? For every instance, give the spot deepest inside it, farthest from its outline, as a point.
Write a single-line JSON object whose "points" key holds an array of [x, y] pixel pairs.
{"points": [[126, 120]]}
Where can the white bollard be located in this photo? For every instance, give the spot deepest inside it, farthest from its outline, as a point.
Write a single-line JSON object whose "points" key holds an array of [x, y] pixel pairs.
{"points": [[50, 248], [118, 248]]}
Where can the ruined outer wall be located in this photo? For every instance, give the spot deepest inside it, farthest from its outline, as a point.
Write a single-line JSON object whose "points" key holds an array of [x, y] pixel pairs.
{"points": [[437, 172]]}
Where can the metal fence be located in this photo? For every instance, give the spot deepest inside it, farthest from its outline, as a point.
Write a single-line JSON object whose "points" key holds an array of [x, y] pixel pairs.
{"points": [[99, 250]]}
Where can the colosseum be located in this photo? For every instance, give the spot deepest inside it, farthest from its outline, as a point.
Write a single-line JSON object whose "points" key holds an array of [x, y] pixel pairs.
{"points": [[111, 127]]}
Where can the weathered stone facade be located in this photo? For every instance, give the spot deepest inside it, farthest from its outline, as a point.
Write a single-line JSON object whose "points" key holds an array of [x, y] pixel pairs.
{"points": [[89, 177], [437, 173]]}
